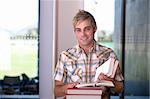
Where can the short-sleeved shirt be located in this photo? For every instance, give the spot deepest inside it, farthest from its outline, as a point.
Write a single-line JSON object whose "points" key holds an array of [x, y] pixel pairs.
{"points": [[75, 66]]}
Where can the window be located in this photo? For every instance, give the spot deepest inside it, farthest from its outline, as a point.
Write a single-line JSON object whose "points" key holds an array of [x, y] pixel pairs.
{"points": [[19, 37], [103, 12]]}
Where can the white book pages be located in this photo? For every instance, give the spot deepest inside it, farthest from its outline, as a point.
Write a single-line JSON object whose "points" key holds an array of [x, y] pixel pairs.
{"points": [[104, 68], [101, 83]]}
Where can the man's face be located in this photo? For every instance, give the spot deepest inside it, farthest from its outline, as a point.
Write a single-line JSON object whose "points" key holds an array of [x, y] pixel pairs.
{"points": [[84, 33]]}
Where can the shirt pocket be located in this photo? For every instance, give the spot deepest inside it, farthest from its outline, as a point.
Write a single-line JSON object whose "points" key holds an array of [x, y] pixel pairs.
{"points": [[72, 71]]}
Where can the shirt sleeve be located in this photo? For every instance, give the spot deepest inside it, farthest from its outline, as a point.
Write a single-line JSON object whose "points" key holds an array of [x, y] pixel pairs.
{"points": [[118, 75], [59, 69]]}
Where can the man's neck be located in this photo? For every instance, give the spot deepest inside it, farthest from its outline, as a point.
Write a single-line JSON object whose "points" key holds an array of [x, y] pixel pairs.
{"points": [[87, 48]]}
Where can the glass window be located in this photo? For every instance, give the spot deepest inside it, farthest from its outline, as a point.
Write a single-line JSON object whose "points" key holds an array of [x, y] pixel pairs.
{"points": [[19, 37], [103, 12]]}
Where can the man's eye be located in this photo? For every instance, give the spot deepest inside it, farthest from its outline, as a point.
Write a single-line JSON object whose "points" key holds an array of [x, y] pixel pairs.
{"points": [[77, 30], [87, 29]]}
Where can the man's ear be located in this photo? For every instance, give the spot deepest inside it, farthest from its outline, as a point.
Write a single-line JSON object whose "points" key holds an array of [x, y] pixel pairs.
{"points": [[95, 30]]}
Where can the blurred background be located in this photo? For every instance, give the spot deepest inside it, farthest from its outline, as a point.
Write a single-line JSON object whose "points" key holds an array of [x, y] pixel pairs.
{"points": [[33, 33]]}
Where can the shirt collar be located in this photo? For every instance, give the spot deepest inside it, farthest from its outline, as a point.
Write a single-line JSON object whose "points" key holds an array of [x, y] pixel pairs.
{"points": [[93, 49]]}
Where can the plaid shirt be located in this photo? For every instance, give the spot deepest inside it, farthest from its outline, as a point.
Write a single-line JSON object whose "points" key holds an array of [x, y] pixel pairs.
{"points": [[74, 65]]}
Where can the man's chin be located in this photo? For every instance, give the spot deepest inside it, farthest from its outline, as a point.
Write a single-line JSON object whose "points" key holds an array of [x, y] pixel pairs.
{"points": [[84, 44]]}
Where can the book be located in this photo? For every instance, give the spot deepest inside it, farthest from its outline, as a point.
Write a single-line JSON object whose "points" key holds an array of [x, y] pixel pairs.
{"points": [[96, 84], [83, 96], [85, 90], [108, 68]]}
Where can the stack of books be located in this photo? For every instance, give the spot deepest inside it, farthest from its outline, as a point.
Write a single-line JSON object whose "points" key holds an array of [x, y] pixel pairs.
{"points": [[84, 93]]}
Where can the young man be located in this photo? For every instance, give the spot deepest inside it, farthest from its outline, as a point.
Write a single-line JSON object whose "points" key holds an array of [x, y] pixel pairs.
{"points": [[79, 63]]}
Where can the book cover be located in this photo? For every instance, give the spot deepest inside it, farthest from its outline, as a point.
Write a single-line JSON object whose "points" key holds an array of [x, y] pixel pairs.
{"points": [[85, 90], [83, 96]]}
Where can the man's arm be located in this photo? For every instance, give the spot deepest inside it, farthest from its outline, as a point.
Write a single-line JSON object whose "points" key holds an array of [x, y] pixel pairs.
{"points": [[118, 86], [60, 88]]}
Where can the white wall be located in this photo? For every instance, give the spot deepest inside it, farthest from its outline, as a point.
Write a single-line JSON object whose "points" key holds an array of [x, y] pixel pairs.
{"points": [[66, 10]]}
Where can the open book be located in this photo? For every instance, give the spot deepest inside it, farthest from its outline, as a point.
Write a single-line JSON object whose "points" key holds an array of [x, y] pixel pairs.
{"points": [[108, 68], [97, 84]]}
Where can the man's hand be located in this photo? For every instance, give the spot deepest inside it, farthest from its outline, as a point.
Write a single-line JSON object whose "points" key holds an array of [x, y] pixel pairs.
{"points": [[104, 88], [118, 84], [70, 85], [104, 77], [60, 87]]}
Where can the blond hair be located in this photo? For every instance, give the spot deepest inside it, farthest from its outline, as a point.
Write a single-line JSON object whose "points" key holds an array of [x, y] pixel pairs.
{"points": [[84, 15]]}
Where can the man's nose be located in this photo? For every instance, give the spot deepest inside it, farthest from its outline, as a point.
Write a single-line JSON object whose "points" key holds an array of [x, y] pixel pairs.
{"points": [[82, 33]]}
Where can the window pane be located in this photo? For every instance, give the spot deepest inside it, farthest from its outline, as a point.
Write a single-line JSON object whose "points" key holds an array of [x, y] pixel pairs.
{"points": [[103, 12], [19, 37]]}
